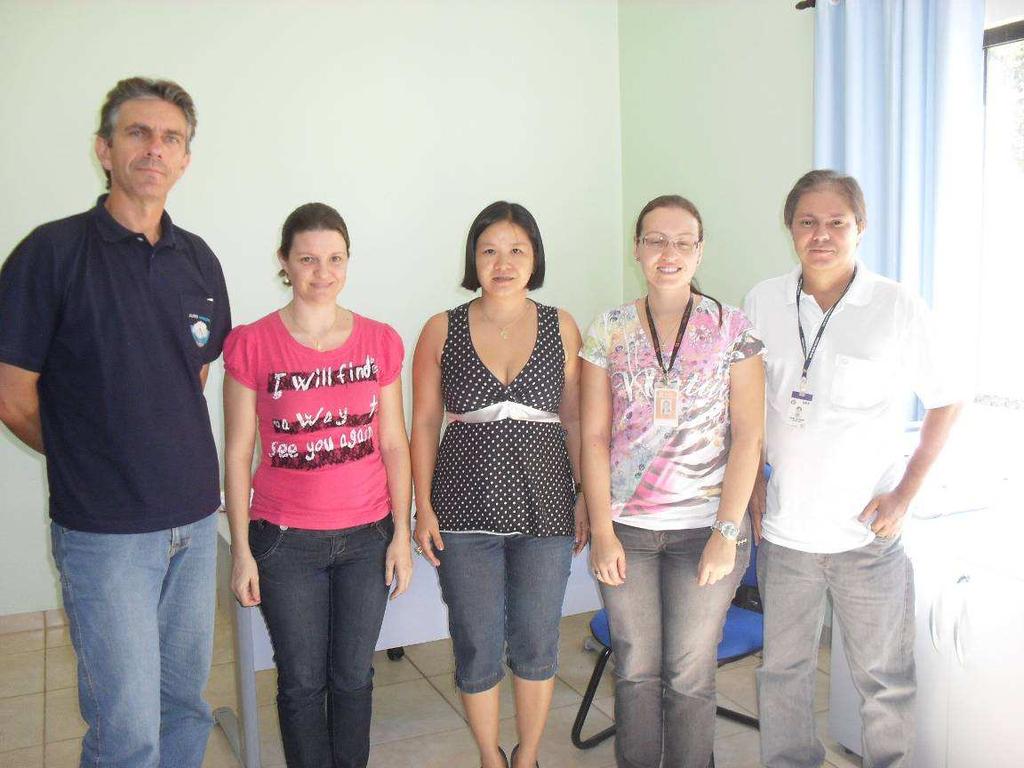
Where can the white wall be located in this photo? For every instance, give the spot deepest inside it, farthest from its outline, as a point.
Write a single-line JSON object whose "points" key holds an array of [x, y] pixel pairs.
{"points": [[409, 117]]}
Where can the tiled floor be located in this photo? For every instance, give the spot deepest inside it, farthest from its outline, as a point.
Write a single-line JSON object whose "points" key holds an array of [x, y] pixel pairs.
{"points": [[417, 714]]}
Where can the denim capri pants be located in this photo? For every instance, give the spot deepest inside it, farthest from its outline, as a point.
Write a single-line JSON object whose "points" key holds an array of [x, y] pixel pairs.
{"points": [[503, 589]]}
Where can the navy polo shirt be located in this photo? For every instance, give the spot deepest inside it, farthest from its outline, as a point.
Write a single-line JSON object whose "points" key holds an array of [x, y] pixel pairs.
{"points": [[118, 330]]}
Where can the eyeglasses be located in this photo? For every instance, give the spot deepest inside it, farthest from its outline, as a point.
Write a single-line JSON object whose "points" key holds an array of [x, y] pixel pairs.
{"points": [[656, 242]]}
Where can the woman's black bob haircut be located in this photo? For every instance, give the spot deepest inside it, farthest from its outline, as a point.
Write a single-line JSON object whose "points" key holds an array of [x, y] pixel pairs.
{"points": [[514, 214]]}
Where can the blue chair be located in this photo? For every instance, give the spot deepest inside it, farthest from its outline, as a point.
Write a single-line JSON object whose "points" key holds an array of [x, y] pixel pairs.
{"points": [[742, 636]]}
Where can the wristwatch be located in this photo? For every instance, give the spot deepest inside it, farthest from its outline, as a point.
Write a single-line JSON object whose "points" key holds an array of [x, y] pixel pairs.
{"points": [[730, 531]]}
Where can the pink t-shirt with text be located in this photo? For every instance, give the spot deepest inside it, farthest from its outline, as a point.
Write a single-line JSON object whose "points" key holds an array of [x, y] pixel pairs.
{"points": [[320, 465]]}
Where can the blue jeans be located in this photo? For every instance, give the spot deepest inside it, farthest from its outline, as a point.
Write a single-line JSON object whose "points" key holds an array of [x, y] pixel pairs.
{"points": [[665, 632], [323, 597], [498, 589], [140, 611], [872, 590]]}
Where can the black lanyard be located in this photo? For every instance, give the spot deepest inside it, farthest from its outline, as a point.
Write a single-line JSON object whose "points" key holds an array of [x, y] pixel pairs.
{"points": [[809, 356], [679, 335]]}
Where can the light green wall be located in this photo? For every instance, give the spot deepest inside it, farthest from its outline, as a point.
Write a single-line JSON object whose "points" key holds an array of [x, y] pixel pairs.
{"points": [[716, 99], [408, 116]]}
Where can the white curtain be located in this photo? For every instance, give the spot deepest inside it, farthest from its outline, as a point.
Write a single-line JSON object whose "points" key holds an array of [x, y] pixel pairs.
{"points": [[898, 104]]}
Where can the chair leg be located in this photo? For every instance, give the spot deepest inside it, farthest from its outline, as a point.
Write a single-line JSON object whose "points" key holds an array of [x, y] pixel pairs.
{"points": [[588, 699], [738, 717]]}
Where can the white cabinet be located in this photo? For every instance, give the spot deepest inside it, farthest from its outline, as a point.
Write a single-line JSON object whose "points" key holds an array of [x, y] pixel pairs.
{"points": [[932, 577], [986, 680], [969, 645]]}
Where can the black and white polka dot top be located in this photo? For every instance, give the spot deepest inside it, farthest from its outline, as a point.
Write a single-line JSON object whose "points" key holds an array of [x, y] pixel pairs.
{"points": [[506, 476]]}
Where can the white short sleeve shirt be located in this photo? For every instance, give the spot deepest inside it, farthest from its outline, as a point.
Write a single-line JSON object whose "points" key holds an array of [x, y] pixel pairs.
{"points": [[877, 349]]}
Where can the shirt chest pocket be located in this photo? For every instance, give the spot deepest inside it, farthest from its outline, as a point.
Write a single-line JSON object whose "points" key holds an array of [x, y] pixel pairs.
{"points": [[858, 382], [196, 323]]}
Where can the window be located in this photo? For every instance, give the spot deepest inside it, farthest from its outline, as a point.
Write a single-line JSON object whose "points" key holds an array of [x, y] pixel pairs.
{"points": [[1000, 379]]}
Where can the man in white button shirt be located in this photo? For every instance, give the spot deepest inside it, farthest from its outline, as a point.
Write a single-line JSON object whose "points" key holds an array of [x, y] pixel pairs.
{"points": [[838, 386]]}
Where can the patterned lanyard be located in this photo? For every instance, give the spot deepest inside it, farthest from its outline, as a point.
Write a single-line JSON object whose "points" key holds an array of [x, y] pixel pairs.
{"points": [[679, 335], [809, 356]]}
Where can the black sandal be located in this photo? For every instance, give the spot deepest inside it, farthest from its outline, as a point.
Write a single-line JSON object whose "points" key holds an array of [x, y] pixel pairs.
{"points": [[512, 762]]}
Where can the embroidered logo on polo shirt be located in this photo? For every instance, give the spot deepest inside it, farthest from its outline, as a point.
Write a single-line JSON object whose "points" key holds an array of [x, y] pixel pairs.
{"points": [[200, 328]]}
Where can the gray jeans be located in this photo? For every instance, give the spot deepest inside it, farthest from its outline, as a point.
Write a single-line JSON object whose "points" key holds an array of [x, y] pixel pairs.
{"points": [[872, 592], [665, 632]]}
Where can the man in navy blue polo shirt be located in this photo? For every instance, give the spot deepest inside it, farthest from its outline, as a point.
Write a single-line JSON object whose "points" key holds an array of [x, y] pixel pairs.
{"points": [[108, 323]]}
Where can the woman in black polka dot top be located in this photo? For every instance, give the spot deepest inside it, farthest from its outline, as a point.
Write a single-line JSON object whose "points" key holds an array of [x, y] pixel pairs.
{"points": [[497, 508]]}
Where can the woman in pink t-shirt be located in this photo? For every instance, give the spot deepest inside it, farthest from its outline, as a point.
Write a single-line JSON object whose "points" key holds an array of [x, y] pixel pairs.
{"points": [[321, 532]]}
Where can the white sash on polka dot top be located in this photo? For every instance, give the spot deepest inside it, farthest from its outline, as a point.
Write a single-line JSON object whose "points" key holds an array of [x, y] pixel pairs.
{"points": [[505, 475]]}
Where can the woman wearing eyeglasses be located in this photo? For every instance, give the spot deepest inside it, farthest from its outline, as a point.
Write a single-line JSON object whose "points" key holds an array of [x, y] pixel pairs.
{"points": [[672, 402]]}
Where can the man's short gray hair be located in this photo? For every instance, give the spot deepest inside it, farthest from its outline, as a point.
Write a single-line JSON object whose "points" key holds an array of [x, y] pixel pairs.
{"points": [[146, 88]]}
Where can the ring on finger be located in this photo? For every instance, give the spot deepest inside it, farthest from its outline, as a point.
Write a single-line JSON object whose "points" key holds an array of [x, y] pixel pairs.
{"points": [[419, 550]]}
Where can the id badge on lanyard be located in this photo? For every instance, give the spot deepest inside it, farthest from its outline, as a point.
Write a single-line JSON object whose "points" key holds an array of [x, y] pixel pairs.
{"points": [[801, 401], [800, 404], [666, 398], [666, 407]]}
